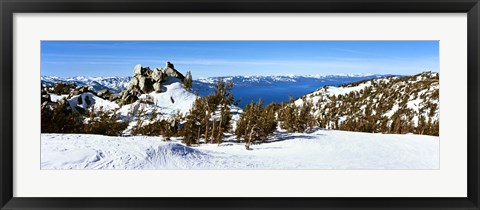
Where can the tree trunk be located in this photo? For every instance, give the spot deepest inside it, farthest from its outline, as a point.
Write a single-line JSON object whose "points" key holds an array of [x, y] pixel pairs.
{"points": [[246, 130], [198, 135], [213, 133], [250, 137], [219, 135], [206, 126]]}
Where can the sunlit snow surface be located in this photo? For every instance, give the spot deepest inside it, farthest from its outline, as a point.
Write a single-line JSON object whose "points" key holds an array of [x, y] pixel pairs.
{"points": [[323, 149]]}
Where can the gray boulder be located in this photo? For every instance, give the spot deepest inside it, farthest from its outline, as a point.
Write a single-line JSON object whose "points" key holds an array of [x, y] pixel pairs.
{"points": [[128, 99], [105, 93], [114, 97], [157, 75], [133, 82], [157, 87], [145, 84], [137, 70]]}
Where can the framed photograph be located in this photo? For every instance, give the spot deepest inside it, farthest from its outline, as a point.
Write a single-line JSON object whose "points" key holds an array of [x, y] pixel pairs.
{"points": [[239, 105]]}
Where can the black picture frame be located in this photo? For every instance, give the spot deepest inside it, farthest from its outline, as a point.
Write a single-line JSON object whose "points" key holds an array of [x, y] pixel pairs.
{"points": [[9, 7]]}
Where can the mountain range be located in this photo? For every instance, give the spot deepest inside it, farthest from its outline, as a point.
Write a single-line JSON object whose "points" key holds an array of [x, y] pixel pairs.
{"points": [[246, 88]]}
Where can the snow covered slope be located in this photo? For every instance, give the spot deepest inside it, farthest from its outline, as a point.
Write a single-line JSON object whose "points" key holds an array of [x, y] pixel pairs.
{"points": [[173, 99], [87, 100], [323, 149], [391, 104]]}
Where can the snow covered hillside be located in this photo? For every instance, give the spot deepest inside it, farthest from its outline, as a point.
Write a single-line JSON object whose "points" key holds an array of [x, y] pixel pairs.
{"points": [[174, 99], [323, 149], [408, 104]]}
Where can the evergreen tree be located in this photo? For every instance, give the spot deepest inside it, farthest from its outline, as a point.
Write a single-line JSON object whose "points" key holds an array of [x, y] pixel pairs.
{"points": [[210, 116], [194, 123], [188, 81], [221, 101], [305, 119], [256, 123], [268, 122]]}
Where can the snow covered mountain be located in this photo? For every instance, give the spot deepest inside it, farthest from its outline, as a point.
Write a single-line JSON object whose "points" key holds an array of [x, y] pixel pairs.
{"points": [[393, 104], [261, 80], [113, 84]]}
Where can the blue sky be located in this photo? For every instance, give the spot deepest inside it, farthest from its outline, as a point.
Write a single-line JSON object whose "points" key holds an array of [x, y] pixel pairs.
{"points": [[228, 58]]}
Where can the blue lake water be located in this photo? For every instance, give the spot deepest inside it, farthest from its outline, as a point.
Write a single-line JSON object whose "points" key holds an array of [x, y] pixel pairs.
{"points": [[277, 91]]}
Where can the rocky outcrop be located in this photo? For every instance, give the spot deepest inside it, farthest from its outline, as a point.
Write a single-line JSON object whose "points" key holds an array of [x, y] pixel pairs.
{"points": [[80, 90], [105, 94], [145, 81]]}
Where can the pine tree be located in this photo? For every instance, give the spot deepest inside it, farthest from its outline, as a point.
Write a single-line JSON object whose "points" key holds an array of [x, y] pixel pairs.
{"points": [[188, 81], [194, 123], [305, 119], [256, 123], [268, 123], [202, 119], [222, 99]]}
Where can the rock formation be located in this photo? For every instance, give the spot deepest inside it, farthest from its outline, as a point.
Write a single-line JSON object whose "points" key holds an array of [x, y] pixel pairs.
{"points": [[146, 81]]}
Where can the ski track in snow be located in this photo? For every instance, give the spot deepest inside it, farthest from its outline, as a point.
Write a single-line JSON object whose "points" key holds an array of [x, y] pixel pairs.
{"points": [[323, 149]]}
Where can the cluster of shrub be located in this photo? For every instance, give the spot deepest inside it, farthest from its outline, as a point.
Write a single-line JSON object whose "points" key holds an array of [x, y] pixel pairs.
{"points": [[57, 119]]}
